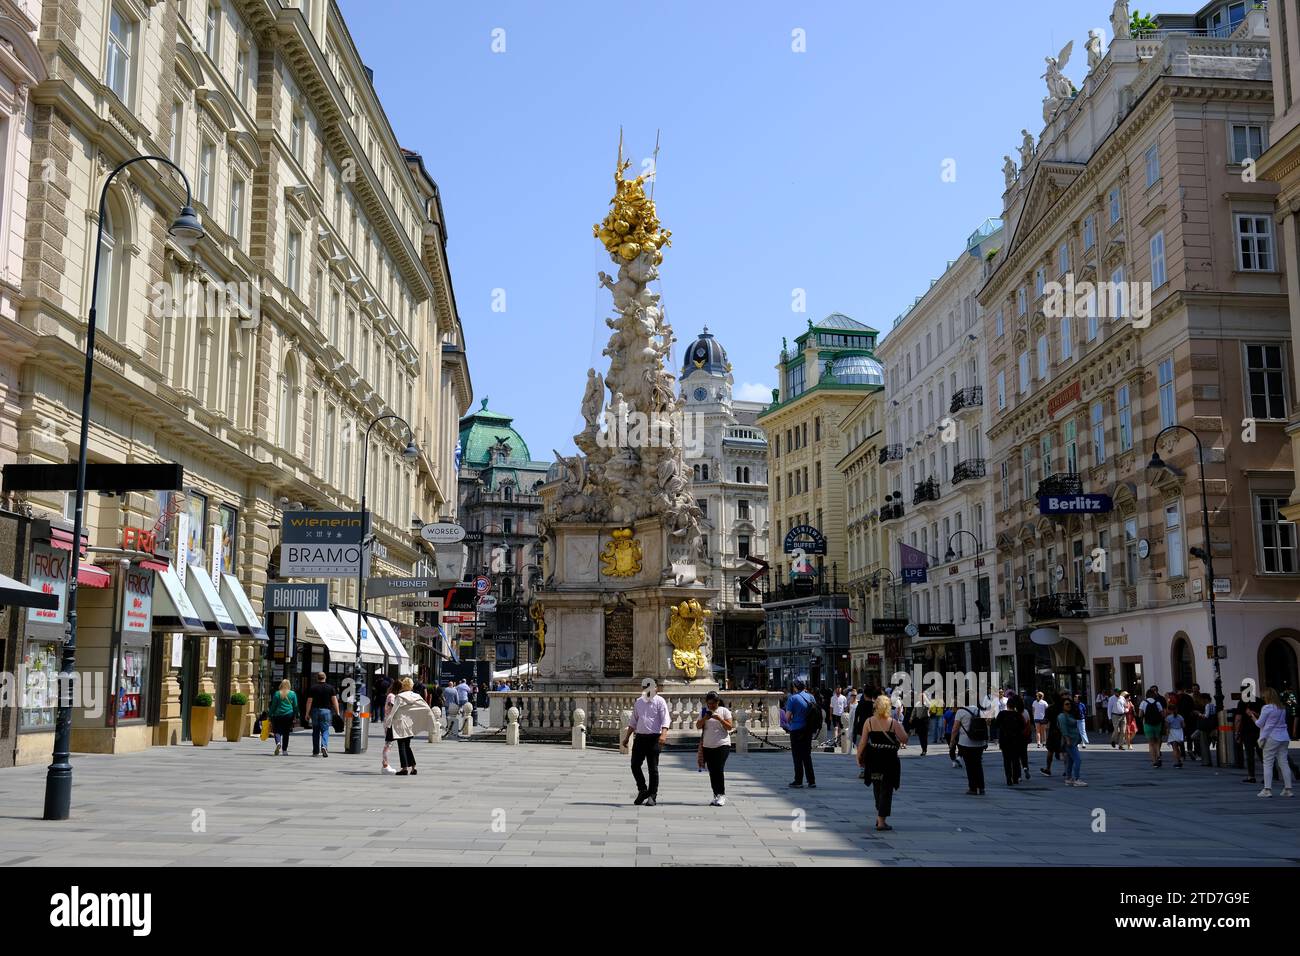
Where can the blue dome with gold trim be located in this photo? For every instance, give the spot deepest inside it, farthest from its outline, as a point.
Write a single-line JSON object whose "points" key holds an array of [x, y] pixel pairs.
{"points": [[705, 353]]}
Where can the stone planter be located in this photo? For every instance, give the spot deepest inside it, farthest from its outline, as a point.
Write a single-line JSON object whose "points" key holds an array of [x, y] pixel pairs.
{"points": [[201, 722], [235, 714]]}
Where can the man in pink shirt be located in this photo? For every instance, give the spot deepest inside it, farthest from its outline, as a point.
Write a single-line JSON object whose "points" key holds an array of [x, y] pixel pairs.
{"points": [[648, 728]]}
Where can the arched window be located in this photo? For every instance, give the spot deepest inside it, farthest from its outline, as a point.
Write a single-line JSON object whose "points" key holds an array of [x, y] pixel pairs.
{"points": [[289, 407], [112, 254], [704, 472]]}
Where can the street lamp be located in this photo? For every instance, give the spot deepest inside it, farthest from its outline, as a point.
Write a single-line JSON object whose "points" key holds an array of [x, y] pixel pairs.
{"points": [[1206, 555], [186, 229], [409, 453], [951, 556]]}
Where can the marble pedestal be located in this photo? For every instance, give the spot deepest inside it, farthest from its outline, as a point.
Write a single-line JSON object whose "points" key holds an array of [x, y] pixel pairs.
{"points": [[608, 633]]}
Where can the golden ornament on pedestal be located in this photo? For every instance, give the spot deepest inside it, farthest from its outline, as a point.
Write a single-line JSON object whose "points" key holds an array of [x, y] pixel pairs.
{"points": [[631, 227], [687, 634], [622, 555], [537, 613]]}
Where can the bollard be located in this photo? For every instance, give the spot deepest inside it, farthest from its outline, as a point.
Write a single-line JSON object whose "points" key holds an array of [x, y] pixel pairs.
{"points": [[435, 735], [512, 726], [466, 720], [742, 731], [579, 738]]}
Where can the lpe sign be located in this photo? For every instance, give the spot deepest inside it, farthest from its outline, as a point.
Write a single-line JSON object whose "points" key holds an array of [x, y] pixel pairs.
{"points": [[321, 544]]}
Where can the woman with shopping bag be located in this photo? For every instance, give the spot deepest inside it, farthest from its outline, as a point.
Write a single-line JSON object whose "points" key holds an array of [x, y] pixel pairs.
{"points": [[284, 704]]}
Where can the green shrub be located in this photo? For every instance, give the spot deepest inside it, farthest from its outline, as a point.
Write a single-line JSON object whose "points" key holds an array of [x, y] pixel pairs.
{"points": [[239, 698], [202, 700]]}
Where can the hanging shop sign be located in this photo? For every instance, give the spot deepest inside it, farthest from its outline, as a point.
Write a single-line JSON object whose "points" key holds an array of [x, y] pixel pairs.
{"points": [[430, 604], [442, 532], [282, 597], [805, 538], [321, 544], [49, 575], [386, 587], [1075, 504], [137, 601]]}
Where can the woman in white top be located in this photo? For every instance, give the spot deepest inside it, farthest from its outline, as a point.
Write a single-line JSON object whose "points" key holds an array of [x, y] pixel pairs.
{"points": [[716, 723], [1274, 738]]}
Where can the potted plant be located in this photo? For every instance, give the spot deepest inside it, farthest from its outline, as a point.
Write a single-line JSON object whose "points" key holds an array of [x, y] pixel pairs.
{"points": [[202, 713], [235, 716]]}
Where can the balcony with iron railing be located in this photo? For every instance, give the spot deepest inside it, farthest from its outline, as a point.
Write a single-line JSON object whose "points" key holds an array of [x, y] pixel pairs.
{"points": [[891, 512], [927, 490], [890, 453], [1064, 483], [1064, 604], [970, 468], [967, 398]]}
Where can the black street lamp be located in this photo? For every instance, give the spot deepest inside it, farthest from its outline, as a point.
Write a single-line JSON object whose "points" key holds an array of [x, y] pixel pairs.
{"points": [[410, 453], [1206, 555], [951, 556], [186, 230]]}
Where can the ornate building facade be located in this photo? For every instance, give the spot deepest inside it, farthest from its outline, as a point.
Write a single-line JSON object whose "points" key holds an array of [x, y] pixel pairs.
{"points": [[937, 493], [727, 458], [1135, 199], [830, 369], [319, 300]]}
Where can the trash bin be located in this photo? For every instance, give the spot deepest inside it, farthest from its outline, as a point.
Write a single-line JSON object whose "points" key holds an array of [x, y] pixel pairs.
{"points": [[365, 727]]}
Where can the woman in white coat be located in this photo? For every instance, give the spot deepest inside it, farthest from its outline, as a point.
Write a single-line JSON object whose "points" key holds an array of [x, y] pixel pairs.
{"points": [[408, 714]]}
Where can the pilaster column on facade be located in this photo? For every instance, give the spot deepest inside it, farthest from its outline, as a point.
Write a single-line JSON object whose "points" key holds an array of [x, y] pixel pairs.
{"points": [[1290, 238]]}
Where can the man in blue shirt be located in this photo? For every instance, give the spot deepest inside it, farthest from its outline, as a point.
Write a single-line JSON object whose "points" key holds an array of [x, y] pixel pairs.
{"points": [[800, 739]]}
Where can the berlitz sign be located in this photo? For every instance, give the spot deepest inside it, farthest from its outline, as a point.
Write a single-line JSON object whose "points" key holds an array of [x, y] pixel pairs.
{"points": [[1075, 504]]}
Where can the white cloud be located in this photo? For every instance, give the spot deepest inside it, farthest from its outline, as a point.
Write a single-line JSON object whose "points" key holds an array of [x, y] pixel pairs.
{"points": [[754, 392]]}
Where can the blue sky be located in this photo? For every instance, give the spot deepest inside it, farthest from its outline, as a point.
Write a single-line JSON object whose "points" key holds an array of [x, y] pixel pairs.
{"points": [[778, 170]]}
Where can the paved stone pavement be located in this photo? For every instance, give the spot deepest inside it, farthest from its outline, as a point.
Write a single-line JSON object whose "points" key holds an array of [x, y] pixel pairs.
{"points": [[555, 806]]}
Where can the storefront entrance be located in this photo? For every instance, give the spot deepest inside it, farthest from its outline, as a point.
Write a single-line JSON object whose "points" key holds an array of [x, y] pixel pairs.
{"points": [[1280, 670], [191, 670]]}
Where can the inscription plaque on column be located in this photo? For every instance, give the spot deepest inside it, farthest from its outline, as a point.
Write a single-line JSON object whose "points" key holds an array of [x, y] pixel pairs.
{"points": [[618, 642]]}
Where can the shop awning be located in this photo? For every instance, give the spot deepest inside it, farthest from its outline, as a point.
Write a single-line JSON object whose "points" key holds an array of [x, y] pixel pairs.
{"points": [[324, 629], [372, 652], [172, 610], [92, 577], [204, 597], [388, 640], [403, 657], [241, 609], [14, 593]]}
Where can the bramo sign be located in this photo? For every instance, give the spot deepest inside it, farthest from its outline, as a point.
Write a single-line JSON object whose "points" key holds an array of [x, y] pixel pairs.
{"points": [[321, 544]]}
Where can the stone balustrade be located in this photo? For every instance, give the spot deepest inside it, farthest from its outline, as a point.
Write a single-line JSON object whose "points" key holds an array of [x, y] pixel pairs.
{"points": [[551, 712]]}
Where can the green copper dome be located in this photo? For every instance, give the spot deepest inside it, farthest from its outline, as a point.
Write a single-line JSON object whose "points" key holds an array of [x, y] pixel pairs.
{"points": [[486, 431]]}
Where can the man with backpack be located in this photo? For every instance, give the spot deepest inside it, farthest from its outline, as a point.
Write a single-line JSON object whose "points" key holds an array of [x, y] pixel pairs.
{"points": [[804, 719], [1153, 723], [970, 732]]}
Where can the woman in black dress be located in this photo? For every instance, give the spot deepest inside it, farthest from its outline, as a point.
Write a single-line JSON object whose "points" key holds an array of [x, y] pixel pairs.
{"points": [[1054, 746], [878, 747]]}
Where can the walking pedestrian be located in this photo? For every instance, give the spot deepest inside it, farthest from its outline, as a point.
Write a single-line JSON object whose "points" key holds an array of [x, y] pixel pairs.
{"points": [[1011, 733], [936, 718], [407, 716], [716, 723], [1118, 714], [838, 704], [1276, 738], [921, 722], [878, 757], [284, 704], [1246, 731], [1040, 719], [323, 701], [1026, 736], [648, 730], [1130, 720], [1071, 740], [390, 701], [1175, 726], [1101, 712], [1081, 715], [866, 704], [971, 734], [801, 708], [1055, 746], [949, 715], [1153, 724]]}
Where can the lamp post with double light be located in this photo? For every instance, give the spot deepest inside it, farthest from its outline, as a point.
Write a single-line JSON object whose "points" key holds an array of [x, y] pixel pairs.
{"points": [[186, 229], [1206, 555], [409, 453]]}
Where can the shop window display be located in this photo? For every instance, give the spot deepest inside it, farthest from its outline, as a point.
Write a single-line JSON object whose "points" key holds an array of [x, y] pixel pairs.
{"points": [[40, 685]]}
